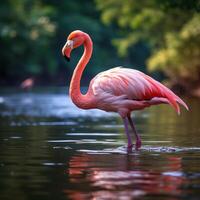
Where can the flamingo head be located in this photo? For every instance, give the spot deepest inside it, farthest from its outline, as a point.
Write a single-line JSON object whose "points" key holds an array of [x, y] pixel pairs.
{"points": [[74, 40]]}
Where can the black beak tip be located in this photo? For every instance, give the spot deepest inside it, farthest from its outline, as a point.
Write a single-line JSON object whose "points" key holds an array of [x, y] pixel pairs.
{"points": [[67, 58]]}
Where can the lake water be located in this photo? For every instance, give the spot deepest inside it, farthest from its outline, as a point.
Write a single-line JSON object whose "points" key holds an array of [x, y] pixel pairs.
{"points": [[49, 149]]}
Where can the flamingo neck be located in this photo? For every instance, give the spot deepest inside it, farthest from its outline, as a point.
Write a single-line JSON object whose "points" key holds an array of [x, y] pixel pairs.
{"points": [[79, 99]]}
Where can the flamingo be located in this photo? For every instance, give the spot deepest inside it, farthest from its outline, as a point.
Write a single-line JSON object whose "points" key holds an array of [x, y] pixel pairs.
{"points": [[27, 84], [119, 89]]}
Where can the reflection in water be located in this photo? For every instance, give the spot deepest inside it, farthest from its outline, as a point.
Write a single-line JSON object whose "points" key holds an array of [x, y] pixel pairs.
{"points": [[49, 149], [125, 177], [180, 130]]}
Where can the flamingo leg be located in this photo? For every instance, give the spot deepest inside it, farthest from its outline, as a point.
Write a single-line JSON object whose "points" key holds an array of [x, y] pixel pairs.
{"points": [[130, 145], [138, 139]]}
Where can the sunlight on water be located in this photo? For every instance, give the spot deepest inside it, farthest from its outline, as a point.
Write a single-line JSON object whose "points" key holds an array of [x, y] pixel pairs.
{"points": [[123, 150], [52, 150], [92, 134], [48, 105]]}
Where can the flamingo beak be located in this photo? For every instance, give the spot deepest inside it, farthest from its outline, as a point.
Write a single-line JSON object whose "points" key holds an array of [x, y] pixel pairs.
{"points": [[67, 58], [66, 50]]}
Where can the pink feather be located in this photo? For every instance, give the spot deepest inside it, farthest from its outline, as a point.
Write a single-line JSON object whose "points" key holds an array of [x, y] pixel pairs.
{"points": [[133, 85]]}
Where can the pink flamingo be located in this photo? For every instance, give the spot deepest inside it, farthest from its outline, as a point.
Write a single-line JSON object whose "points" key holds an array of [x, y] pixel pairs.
{"points": [[120, 90], [27, 84]]}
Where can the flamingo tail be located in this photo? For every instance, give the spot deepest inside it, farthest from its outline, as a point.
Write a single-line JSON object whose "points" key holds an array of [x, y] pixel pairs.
{"points": [[173, 99]]}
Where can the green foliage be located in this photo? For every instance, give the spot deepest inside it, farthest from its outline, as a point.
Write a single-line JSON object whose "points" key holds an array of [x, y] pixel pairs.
{"points": [[32, 34], [171, 28], [182, 51], [26, 31]]}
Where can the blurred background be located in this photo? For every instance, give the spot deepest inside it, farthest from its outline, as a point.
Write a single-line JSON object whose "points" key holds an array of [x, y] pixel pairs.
{"points": [[49, 148], [159, 37]]}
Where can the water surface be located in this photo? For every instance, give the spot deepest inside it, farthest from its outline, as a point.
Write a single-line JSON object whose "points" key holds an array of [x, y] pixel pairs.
{"points": [[49, 149]]}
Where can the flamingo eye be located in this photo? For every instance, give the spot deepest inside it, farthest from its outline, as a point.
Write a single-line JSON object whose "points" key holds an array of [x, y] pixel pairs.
{"points": [[70, 43]]}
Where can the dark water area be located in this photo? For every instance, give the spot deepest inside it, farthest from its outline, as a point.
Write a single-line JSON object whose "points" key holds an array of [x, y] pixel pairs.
{"points": [[49, 149]]}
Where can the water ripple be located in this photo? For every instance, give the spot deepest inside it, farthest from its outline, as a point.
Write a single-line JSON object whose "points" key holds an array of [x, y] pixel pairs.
{"points": [[26, 123], [123, 150], [92, 134], [164, 149]]}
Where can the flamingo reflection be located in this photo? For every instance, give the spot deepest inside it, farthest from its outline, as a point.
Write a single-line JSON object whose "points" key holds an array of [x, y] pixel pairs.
{"points": [[124, 177]]}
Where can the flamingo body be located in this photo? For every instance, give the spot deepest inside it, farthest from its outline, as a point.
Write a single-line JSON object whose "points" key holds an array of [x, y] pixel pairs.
{"points": [[27, 84], [124, 90], [119, 89]]}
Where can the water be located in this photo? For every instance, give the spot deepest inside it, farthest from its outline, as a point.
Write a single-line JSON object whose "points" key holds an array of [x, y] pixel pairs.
{"points": [[49, 149]]}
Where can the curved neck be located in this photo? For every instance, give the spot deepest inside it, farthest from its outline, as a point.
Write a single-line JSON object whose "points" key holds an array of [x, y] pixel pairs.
{"points": [[77, 97]]}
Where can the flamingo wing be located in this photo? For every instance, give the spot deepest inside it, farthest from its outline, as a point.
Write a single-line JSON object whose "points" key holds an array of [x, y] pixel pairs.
{"points": [[132, 84]]}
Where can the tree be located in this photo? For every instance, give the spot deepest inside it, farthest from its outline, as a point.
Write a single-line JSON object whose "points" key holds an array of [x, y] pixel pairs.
{"points": [[25, 33], [170, 28], [32, 33]]}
